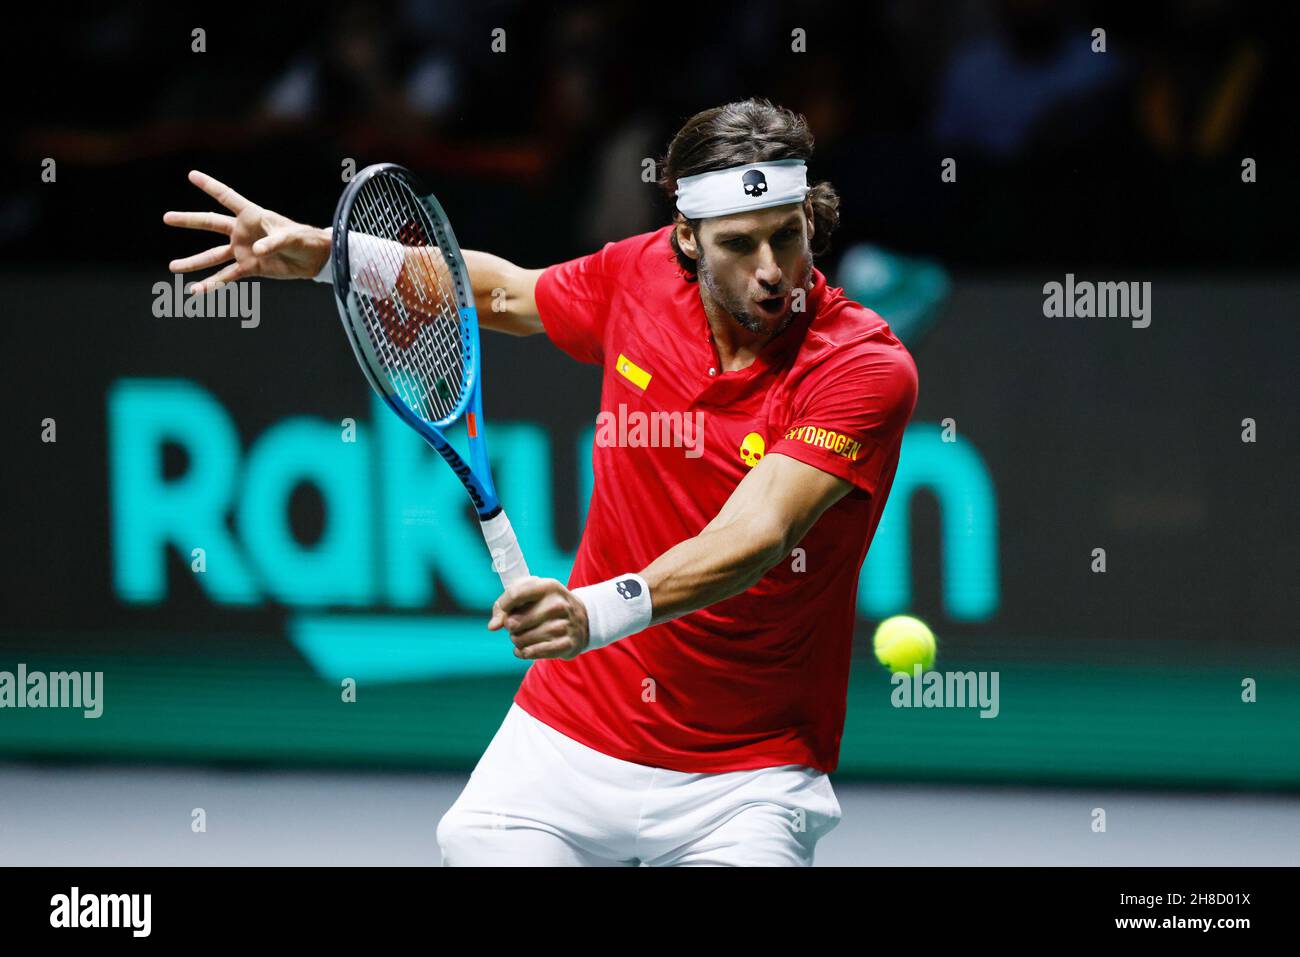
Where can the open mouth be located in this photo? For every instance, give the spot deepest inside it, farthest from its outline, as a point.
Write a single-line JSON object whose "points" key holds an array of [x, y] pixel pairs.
{"points": [[773, 306]]}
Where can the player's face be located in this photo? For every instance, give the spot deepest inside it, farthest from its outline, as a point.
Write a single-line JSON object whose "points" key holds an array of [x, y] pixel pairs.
{"points": [[749, 265]]}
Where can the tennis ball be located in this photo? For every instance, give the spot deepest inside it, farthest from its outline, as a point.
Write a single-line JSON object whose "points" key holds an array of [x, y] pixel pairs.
{"points": [[904, 641]]}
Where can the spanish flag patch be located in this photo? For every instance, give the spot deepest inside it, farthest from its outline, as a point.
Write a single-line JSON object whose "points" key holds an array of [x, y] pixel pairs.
{"points": [[632, 372]]}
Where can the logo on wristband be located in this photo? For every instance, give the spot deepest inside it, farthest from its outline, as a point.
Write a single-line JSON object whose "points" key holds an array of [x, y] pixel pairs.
{"points": [[629, 588]]}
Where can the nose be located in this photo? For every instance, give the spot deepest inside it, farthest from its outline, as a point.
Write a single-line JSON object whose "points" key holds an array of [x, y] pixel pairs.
{"points": [[767, 272]]}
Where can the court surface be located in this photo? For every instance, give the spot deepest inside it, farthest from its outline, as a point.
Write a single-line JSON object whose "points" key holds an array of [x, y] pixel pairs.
{"points": [[68, 815]]}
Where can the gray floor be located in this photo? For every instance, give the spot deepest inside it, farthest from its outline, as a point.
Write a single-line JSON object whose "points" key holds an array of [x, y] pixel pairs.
{"points": [[141, 816]]}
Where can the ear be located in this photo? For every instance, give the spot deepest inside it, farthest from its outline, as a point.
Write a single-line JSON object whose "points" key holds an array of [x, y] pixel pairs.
{"points": [[808, 215], [687, 241]]}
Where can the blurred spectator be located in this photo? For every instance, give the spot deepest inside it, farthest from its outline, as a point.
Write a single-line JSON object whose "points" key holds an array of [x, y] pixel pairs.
{"points": [[561, 123], [1001, 90]]}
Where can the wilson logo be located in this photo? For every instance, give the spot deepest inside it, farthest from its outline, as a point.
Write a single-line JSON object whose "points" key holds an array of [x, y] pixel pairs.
{"points": [[463, 472]]}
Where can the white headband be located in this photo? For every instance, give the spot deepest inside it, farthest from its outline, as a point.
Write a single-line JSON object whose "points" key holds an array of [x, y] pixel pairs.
{"points": [[742, 188]]}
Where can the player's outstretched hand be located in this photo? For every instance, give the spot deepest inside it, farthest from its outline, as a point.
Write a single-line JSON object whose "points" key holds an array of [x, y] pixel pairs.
{"points": [[544, 619], [259, 241]]}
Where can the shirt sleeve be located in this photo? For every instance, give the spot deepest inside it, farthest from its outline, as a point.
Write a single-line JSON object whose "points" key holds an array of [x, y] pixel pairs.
{"points": [[573, 301], [850, 413]]}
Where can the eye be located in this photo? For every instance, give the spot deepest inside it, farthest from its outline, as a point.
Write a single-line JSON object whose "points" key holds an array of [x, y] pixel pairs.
{"points": [[785, 235], [736, 245]]}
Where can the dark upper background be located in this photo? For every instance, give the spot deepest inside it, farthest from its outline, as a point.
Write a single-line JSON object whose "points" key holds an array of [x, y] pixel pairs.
{"points": [[1066, 158]]}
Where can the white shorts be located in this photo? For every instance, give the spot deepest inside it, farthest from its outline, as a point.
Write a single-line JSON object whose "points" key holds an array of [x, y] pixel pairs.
{"points": [[538, 797]]}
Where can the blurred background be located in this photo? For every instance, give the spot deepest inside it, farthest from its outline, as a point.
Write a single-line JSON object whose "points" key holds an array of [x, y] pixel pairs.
{"points": [[1168, 158]]}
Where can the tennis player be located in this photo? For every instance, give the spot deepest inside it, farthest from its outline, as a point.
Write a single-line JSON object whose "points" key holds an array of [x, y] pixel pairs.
{"points": [[688, 694]]}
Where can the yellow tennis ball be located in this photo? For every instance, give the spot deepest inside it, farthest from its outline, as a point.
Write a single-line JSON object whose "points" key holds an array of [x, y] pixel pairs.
{"points": [[904, 641]]}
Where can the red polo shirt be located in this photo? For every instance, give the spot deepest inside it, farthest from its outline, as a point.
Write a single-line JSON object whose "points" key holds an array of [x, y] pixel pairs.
{"points": [[759, 679]]}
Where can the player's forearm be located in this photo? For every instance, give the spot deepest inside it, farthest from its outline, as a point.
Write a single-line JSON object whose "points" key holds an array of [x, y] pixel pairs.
{"points": [[503, 293], [721, 561], [770, 512]]}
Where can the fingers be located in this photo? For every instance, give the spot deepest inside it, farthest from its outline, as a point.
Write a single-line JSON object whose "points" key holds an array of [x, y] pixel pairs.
{"points": [[545, 630], [219, 191], [551, 639], [229, 274], [273, 243], [212, 257], [522, 620], [214, 222], [537, 617], [558, 648], [517, 595]]}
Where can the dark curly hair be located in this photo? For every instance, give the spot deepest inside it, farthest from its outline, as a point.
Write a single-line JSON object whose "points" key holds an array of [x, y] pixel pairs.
{"points": [[748, 131]]}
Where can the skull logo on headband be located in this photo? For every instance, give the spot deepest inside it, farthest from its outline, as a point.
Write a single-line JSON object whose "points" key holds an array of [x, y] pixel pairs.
{"points": [[762, 184], [755, 182]]}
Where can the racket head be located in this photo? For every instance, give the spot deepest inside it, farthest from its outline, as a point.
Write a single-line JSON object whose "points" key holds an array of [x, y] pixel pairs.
{"points": [[409, 311]]}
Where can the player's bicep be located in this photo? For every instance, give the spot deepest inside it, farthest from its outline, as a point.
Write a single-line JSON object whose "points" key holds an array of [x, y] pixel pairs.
{"points": [[780, 500], [512, 307], [505, 295]]}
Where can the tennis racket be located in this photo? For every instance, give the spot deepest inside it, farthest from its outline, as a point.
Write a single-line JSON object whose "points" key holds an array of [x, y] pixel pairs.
{"points": [[408, 310]]}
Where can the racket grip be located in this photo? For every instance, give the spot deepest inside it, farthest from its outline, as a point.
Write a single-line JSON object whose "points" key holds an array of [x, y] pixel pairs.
{"points": [[507, 558]]}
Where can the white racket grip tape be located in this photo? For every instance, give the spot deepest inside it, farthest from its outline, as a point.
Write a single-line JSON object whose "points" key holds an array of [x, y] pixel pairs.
{"points": [[507, 558], [615, 609]]}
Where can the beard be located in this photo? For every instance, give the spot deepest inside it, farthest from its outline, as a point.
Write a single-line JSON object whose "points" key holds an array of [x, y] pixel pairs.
{"points": [[738, 306]]}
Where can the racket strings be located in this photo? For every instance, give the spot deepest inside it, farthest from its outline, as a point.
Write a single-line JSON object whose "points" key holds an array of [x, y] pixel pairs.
{"points": [[444, 352], [404, 317], [408, 305]]}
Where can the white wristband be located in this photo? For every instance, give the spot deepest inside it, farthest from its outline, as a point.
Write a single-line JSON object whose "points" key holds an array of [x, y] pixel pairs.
{"points": [[375, 264], [615, 609]]}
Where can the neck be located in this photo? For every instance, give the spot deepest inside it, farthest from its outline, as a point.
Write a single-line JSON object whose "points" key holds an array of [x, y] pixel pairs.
{"points": [[737, 347]]}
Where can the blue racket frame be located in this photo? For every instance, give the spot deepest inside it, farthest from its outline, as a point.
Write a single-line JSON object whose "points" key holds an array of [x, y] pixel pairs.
{"points": [[475, 475]]}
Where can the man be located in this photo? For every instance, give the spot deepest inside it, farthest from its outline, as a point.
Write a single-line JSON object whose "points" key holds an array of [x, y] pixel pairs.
{"points": [[688, 695]]}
